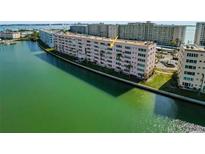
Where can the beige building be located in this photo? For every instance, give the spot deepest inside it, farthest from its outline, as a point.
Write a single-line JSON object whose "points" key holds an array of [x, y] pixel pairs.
{"points": [[136, 58], [133, 31], [79, 28], [200, 34], [100, 29], [142, 31], [161, 34], [113, 31], [191, 68], [10, 35]]}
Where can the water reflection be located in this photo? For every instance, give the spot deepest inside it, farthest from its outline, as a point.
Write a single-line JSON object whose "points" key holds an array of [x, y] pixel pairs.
{"points": [[94, 79], [176, 109], [32, 46]]}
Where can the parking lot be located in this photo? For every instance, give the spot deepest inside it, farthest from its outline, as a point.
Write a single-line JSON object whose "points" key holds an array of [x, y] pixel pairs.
{"points": [[165, 61]]}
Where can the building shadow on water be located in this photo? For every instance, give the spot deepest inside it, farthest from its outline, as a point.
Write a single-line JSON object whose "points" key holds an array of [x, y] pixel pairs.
{"points": [[177, 109], [110, 86], [33, 46]]}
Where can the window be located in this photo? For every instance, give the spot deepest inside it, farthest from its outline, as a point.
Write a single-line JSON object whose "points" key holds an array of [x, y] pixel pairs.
{"points": [[127, 57], [192, 55], [191, 61], [141, 49], [127, 52], [141, 65], [118, 46], [141, 60], [186, 84], [189, 73], [190, 67], [188, 78], [126, 47], [118, 50], [141, 55], [140, 69]]}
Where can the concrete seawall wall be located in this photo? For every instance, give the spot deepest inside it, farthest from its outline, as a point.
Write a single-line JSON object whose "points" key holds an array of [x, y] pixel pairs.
{"points": [[150, 89]]}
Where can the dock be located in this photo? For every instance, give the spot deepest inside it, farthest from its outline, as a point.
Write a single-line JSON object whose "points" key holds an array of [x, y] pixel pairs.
{"points": [[7, 42]]}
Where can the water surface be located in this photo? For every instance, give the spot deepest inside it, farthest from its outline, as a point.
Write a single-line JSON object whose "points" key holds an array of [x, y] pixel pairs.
{"points": [[40, 93]]}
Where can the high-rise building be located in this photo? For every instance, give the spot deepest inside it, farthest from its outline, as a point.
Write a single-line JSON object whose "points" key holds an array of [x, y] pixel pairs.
{"points": [[191, 68], [136, 58], [162, 34], [81, 29], [172, 35], [133, 31], [112, 31], [200, 34], [100, 29]]}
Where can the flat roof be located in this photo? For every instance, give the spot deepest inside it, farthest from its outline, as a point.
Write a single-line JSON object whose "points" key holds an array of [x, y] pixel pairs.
{"points": [[49, 30], [194, 47], [96, 38]]}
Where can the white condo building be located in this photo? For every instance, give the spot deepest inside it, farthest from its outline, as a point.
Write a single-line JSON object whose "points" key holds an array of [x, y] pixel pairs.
{"points": [[47, 37], [172, 35], [191, 72], [135, 58], [199, 38], [10, 35]]}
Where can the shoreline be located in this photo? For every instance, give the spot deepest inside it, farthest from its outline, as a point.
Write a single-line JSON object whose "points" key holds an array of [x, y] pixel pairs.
{"points": [[138, 85]]}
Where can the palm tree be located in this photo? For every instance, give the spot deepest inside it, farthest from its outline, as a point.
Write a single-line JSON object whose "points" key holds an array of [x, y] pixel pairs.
{"points": [[129, 66], [118, 56]]}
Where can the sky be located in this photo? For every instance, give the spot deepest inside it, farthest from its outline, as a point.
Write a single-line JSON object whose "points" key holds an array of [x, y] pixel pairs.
{"points": [[109, 22]]}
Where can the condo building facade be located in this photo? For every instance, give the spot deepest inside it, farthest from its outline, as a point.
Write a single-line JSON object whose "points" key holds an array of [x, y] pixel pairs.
{"points": [[199, 38], [81, 29], [133, 31], [191, 68], [113, 31], [172, 35], [47, 37], [161, 34], [10, 35], [136, 58], [101, 30]]}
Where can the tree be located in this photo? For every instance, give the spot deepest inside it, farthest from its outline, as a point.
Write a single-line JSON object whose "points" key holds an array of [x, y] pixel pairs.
{"points": [[118, 56], [129, 66], [173, 43], [35, 36]]}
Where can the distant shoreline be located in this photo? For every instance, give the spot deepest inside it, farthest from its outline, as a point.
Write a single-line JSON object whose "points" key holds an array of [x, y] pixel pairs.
{"points": [[33, 24]]}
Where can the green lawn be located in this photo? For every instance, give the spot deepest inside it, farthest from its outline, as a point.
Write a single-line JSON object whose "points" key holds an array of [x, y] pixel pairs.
{"points": [[168, 82], [157, 80]]}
